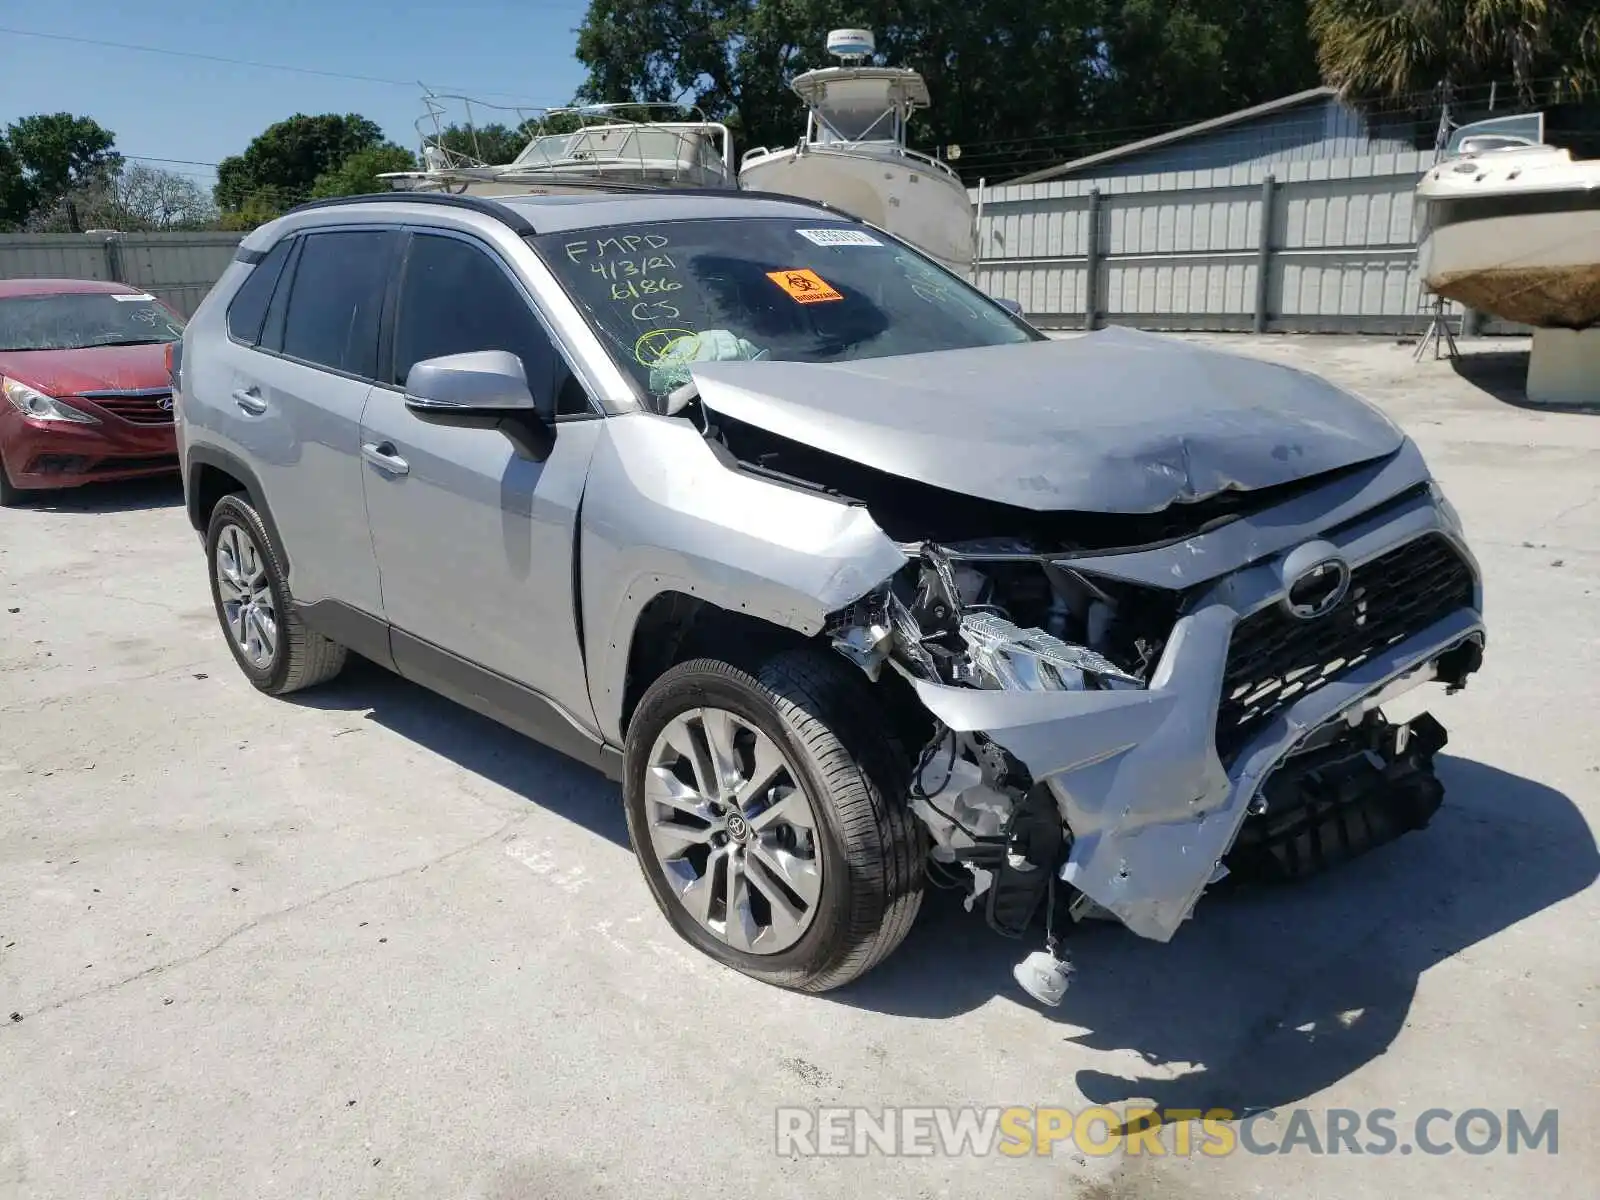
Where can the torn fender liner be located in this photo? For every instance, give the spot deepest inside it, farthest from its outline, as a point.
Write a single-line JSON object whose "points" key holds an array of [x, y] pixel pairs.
{"points": [[1109, 422]]}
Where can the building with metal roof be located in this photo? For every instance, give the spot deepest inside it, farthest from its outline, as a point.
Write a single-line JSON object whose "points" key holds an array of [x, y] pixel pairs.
{"points": [[1309, 125]]}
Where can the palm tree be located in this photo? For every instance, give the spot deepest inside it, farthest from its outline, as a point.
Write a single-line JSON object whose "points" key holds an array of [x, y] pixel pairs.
{"points": [[1391, 48]]}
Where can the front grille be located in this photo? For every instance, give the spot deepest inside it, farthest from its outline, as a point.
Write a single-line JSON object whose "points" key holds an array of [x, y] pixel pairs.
{"points": [[138, 408], [1275, 658]]}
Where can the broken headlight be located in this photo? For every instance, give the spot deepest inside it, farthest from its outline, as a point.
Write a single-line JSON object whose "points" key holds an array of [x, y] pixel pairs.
{"points": [[1016, 623], [1002, 655]]}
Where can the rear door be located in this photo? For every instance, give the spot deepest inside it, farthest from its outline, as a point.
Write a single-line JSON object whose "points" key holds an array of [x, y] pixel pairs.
{"points": [[297, 403], [476, 542]]}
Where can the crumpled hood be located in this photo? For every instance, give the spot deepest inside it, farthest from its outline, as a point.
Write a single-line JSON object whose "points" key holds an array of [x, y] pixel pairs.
{"points": [[93, 369], [1111, 422]]}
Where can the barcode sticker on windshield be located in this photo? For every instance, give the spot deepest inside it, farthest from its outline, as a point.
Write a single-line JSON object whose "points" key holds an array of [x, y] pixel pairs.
{"points": [[838, 237], [135, 296]]}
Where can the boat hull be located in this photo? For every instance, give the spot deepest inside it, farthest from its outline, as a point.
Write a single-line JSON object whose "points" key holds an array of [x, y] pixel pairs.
{"points": [[918, 204], [1539, 269]]}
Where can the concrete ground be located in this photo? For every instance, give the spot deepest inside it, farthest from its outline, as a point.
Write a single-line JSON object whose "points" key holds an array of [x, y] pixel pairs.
{"points": [[364, 943]]}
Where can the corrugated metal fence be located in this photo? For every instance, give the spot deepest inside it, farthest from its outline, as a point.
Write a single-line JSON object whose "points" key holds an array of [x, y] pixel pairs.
{"points": [[1306, 247], [178, 267], [1320, 246]]}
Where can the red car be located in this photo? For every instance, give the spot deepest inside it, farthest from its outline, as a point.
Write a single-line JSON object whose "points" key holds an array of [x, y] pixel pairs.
{"points": [[85, 393]]}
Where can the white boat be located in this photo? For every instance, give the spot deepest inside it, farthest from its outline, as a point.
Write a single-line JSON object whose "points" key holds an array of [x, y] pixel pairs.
{"points": [[571, 150], [854, 156], [1510, 226]]}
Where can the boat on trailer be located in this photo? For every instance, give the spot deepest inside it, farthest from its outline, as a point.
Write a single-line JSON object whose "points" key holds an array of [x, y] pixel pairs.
{"points": [[569, 150], [854, 157]]}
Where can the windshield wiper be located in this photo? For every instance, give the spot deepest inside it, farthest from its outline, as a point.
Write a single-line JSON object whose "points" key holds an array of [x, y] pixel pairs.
{"points": [[130, 342]]}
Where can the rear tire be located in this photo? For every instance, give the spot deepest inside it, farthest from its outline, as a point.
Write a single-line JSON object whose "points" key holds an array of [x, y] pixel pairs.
{"points": [[276, 650], [850, 824]]}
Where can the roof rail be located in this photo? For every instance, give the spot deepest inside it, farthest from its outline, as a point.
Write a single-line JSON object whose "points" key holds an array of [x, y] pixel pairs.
{"points": [[518, 223], [728, 193]]}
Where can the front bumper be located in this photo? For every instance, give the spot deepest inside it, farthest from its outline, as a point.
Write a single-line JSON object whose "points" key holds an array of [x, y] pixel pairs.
{"points": [[59, 454], [1137, 774]]}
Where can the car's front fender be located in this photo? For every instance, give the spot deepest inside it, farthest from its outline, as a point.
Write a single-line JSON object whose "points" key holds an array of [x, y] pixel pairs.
{"points": [[661, 513]]}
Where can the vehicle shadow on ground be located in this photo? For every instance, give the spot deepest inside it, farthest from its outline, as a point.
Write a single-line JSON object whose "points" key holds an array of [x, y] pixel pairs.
{"points": [[539, 775], [1503, 374], [132, 495], [1270, 995]]}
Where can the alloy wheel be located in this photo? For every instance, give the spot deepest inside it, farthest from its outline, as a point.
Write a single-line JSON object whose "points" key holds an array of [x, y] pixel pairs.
{"points": [[733, 830], [248, 608]]}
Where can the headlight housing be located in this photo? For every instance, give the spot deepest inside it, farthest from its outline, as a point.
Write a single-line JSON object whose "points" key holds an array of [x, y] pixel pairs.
{"points": [[1451, 517], [31, 402]]}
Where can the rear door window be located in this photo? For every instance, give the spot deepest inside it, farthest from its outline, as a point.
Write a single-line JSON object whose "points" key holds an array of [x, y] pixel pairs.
{"points": [[336, 299]]}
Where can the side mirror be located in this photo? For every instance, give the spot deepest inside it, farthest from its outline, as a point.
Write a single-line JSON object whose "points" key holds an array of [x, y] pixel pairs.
{"points": [[1011, 306], [485, 389]]}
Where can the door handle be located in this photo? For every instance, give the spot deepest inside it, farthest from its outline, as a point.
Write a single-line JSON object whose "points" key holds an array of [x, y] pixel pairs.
{"points": [[250, 400], [382, 456]]}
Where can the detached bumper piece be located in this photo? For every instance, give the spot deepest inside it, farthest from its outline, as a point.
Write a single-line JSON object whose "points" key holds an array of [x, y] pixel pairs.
{"points": [[1327, 806]]}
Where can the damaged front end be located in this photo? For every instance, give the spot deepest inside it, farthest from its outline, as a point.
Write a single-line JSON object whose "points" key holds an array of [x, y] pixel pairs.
{"points": [[1139, 742]]}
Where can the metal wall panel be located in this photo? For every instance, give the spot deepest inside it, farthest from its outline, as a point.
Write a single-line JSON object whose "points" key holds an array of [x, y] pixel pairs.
{"points": [[178, 267], [53, 256], [1184, 249]]}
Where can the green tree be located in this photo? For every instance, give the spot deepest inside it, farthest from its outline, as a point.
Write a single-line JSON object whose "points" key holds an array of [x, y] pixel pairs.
{"points": [[1012, 80], [257, 209], [358, 174], [1177, 61], [1378, 49], [279, 167], [493, 144], [48, 155], [14, 200]]}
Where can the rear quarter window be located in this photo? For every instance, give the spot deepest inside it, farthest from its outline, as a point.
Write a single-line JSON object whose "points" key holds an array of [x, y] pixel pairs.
{"points": [[248, 308]]}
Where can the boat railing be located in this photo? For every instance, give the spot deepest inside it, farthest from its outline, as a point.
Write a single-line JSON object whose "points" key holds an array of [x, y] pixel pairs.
{"points": [[536, 124], [809, 145]]}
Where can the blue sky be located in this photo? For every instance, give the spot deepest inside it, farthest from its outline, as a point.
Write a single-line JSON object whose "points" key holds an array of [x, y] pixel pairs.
{"points": [[159, 106]]}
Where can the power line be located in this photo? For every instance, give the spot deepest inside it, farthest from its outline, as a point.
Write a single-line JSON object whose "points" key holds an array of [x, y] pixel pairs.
{"points": [[185, 162], [242, 62]]}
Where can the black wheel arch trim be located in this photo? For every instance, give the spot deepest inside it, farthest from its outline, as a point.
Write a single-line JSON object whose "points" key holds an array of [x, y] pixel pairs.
{"points": [[232, 465]]}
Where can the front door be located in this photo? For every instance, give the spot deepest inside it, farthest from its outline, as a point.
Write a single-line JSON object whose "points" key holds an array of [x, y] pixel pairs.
{"points": [[474, 541]]}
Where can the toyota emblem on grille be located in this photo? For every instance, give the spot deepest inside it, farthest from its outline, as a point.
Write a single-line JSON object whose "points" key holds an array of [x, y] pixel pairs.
{"points": [[1316, 579]]}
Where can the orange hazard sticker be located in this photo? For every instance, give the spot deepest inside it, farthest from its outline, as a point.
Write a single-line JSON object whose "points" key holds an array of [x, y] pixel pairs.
{"points": [[803, 286]]}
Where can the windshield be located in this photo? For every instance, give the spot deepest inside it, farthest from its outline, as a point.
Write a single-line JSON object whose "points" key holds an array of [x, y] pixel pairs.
{"points": [[75, 321], [670, 294]]}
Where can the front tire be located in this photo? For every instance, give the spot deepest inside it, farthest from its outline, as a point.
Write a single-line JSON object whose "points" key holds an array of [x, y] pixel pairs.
{"points": [[766, 809], [10, 494], [277, 651]]}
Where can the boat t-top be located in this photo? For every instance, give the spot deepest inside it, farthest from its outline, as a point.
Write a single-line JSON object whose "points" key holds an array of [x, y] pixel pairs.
{"points": [[572, 149], [854, 156]]}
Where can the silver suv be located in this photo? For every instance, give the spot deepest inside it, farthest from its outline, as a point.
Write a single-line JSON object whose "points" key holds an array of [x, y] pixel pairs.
{"points": [[850, 577]]}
